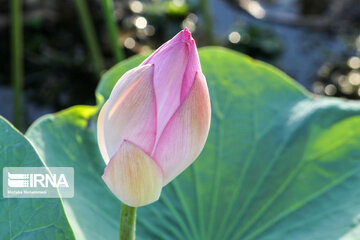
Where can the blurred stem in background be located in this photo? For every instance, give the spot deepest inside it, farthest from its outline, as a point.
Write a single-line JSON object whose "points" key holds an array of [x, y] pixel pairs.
{"points": [[16, 42], [127, 222], [90, 36], [205, 10], [108, 8]]}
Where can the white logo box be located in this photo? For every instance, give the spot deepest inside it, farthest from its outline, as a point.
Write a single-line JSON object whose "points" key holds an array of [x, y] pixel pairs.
{"points": [[38, 182]]}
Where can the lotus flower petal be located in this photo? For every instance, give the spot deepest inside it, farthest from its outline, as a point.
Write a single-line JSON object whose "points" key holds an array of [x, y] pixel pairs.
{"points": [[175, 64], [192, 67], [100, 134], [155, 122], [182, 36], [131, 111], [184, 136], [133, 176]]}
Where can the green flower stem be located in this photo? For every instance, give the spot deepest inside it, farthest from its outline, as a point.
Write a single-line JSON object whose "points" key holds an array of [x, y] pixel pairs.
{"points": [[90, 36], [127, 222], [205, 10], [108, 8], [16, 42]]}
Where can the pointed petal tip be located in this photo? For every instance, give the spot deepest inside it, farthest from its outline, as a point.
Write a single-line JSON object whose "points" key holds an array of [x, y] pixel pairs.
{"points": [[187, 32], [200, 76], [148, 66], [186, 35]]}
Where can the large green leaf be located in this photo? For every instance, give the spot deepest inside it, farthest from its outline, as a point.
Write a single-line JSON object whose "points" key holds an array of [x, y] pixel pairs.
{"points": [[27, 218], [279, 163], [66, 139]]}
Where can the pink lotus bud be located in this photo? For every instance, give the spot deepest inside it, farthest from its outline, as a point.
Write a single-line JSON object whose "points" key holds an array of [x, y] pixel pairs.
{"points": [[155, 122]]}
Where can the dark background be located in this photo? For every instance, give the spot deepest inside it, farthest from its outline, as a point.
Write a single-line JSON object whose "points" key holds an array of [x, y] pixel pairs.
{"points": [[315, 42]]}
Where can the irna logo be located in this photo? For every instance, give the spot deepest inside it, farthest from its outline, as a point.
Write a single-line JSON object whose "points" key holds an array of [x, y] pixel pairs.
{"points": [[38, 182]]}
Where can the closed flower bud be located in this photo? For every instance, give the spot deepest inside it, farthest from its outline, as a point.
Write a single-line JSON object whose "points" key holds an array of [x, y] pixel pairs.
{"points": [[155, 122]]}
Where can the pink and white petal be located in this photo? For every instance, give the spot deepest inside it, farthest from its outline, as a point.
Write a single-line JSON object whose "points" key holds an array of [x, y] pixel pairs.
{"points": [[127, 80], [131, 112], [185, 134], [182, 36], [172, 84], [133, 176], [169, 68], [192, 67], [100, 134]]}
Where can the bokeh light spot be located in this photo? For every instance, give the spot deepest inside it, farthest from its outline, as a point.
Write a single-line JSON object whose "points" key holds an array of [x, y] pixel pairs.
{"points": [[330, 90], [354, 62], [136, 6], [129, 43], [140, 22], [354, 78], [234, 37]]}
